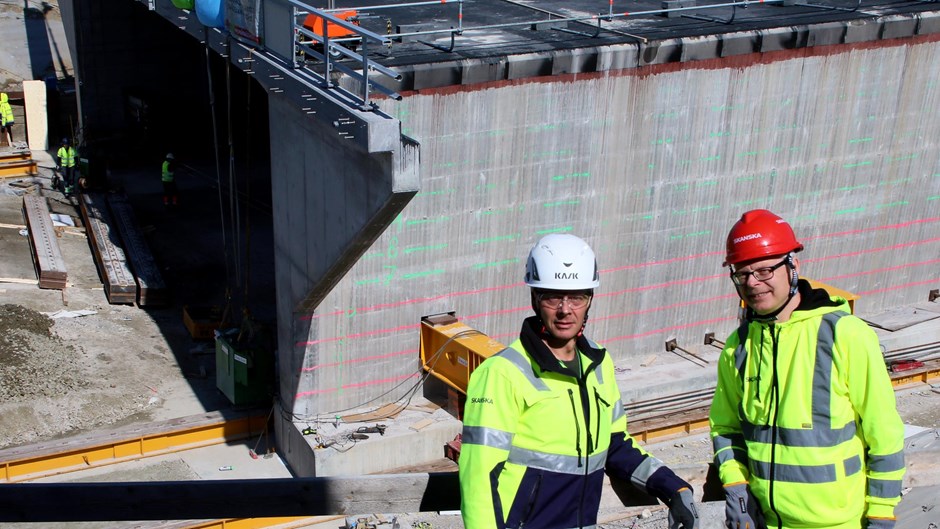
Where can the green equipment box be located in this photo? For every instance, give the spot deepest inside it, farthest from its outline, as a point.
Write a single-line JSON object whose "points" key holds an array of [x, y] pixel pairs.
{"points": [[243, 372]]}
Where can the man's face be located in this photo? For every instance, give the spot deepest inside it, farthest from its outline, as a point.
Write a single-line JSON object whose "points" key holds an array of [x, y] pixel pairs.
{"points": [[563, 312], [764, 296]]}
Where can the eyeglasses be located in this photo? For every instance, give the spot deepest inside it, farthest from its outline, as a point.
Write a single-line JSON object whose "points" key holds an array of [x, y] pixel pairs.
{"points": [[554, 300], [760, 274]]}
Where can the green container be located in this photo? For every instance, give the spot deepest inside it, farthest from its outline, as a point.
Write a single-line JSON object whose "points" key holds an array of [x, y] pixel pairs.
{"points": [[243, 372]]}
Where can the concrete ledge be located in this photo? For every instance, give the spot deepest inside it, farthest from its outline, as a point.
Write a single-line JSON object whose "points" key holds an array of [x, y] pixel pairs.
{"points": [[434, 76], [826, 34], [928, 23], [861, 31], [660, 52], [528, 65], [411, 438], [896, 27], [473, 72], [668, 376], [574, 61], [741, 43], [779, 39], [617, 57], [399, 447], [700, 48]]}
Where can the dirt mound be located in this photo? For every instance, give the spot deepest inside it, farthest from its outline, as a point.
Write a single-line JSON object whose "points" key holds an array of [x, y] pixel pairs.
{"points": [[33, 362], [64, 376]]}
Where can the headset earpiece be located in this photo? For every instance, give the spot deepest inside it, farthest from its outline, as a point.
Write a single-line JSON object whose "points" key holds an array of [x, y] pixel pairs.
{"points": [[794, 276]]}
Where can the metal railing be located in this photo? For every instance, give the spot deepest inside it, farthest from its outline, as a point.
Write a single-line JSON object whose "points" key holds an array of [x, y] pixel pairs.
{"points": [[323, 55]]}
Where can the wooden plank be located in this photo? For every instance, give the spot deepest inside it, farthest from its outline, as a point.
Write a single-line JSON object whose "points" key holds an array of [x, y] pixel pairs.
{"points": [[47, 258], [18, 168], [151, 288], [104, 448], [119, 283], [18, 280]]}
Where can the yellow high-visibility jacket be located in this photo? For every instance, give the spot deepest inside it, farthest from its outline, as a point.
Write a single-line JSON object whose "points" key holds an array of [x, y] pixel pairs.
{"points": [[537, 439], [166, 171], [804, 412], [66, 156], [6, 111]]}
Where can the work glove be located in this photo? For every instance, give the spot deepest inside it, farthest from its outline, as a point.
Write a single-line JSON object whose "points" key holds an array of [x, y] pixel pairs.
{"points": [[741, 508], [682, 513], [879, 523]]}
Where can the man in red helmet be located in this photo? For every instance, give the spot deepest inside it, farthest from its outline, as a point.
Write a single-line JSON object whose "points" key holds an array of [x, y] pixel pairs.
{"points": [[804, 424]]}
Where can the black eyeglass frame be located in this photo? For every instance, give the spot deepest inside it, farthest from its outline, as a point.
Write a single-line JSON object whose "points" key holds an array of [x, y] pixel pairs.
{"points": [[760, 274]]}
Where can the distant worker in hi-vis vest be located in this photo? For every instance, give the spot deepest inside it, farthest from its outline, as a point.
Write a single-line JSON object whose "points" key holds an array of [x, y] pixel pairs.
{"points": [[6, 118], [544, 420], [66, 166], [168, 178], [804, 423]]}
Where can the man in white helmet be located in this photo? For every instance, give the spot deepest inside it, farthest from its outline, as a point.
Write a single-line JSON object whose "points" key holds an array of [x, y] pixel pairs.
{"points": [[543, 420]]}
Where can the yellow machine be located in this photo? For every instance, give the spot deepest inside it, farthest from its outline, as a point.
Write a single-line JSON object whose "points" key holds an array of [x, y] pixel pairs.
{"points": [[451, 350]]}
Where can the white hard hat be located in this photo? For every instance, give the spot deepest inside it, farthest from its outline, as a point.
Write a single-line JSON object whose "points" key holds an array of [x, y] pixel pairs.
{"points": [[561, 261], [169, 156]]}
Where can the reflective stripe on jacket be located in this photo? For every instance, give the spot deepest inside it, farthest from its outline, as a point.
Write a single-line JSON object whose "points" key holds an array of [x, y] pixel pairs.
{"points": [[66, 156], [804, 411], [537, 440]]}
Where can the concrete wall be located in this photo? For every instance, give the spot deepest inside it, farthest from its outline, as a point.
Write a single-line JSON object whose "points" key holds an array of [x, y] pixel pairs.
{"points": [[652, 166]]}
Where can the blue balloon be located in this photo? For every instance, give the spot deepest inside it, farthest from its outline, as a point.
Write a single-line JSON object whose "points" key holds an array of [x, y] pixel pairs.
{"points": [[211, 13]]}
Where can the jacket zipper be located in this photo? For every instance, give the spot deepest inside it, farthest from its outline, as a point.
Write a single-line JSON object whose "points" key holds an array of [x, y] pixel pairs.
{"points": [[531, 504], [597, 405], [775, 397], [577, 426]]}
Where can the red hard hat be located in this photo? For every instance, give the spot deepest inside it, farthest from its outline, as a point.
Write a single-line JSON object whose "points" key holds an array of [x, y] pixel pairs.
{"points": [[758, 234]]}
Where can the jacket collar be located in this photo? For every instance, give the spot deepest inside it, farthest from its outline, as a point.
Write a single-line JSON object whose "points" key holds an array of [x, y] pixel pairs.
{"points": [[530, 336], [812, 301]]}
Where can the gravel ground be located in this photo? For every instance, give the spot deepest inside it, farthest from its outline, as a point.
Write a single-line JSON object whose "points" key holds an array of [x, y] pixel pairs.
{"points": [[69, 375]]}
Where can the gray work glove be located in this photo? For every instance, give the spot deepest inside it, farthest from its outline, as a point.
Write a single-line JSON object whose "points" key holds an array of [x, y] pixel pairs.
{"points": [[682, 513], [879, 523], [741, 508]]}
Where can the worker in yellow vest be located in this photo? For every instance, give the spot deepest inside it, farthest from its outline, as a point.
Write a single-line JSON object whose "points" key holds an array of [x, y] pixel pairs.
{"points": [[6, 118], [804, 424], [544, 421], [168, 177], [67, 157]]}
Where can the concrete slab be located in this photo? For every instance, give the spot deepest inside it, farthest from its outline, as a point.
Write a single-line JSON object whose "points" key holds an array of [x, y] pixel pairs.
{"points": [[415, 435], [900, 318]]}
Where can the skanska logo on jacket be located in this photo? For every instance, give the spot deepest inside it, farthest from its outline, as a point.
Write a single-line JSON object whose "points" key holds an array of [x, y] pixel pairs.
{"points": [[481, 400]]}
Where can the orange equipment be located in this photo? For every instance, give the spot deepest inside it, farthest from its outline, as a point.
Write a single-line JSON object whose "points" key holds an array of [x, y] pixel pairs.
{"points": [[314, 23]]}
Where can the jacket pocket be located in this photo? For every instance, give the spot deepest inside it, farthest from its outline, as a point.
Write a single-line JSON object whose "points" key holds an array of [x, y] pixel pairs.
{"points": [[527, 497]]}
